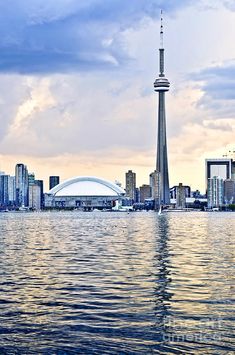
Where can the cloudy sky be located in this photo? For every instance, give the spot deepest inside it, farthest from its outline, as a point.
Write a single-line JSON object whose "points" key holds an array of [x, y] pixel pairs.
{"points": [[76, 86]]}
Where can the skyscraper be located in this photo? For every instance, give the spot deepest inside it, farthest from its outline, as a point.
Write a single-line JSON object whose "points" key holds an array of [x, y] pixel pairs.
{"points": [[180, 196], [215, 192], [22, 185], [220, 168], [4, 195], [229, 191], [12, 190], [130, 185], [161, 85], [53, 181], [41, 185], [145, 192], [233, 170], [34, 197]]}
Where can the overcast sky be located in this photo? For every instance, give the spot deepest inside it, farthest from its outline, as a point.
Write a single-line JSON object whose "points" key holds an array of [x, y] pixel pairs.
{"points": [[76, 86]]}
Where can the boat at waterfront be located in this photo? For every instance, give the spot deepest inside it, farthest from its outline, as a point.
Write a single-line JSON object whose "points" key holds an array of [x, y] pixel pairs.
{"points": [[160, 210]]}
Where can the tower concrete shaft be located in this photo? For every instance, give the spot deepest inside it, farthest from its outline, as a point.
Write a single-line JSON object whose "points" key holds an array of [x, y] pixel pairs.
{"points": [[161, 85], [162, 159]]}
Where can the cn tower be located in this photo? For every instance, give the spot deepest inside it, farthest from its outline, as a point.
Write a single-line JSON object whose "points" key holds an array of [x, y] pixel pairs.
{"points": [[162, 85]]}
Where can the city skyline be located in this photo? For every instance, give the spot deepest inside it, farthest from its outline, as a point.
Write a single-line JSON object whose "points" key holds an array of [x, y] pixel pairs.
{"points": [[76, 87], [24, 192]]}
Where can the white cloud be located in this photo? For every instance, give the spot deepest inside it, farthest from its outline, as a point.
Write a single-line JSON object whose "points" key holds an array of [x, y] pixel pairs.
{"points": [[40, 99]]}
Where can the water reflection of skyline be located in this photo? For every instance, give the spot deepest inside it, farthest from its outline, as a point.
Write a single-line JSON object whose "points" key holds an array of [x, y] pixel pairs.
{"points": [[199, 270], [162, 292], [115, 283]]}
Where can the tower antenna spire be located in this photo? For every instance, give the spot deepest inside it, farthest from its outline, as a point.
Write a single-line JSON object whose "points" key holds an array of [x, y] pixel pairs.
{"points": [[161, 49], [161, 31]]}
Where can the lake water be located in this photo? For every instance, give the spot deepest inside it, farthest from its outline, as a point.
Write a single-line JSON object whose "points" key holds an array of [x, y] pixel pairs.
{"points": [[117, 283]]}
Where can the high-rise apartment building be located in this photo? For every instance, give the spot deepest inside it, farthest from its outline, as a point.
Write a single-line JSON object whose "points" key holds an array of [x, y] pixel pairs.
{"points": [[12, 190], [229, 191], [4, 195], [215, 192], [22, 185], [145, 193], [130, 185], [233, 170], [162, 85], [180, 196], [53, 181], [7, 190], [137, 195], [220, 178], [34, 197], [35, 191], [41, 185]]}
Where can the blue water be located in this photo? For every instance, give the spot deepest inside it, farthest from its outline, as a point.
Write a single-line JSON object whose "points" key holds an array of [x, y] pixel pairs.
{"points": [[117, 283]]}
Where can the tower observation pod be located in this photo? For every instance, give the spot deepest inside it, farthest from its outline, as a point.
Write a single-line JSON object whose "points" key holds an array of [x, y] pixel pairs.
{"points": [[161, 85]]}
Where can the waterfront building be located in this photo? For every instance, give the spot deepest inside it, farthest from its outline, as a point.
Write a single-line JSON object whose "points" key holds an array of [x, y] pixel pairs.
{"points": [[161, 86], [145, 193], [12, 190], [154, 182], [229, 191], [22, 185], [180, 196], [233, 170], [4, 195], [53, 181], [34, 192], [215, 192], [137, 195], [131, 185], [85, 192], [41, 185], [34, 197]]}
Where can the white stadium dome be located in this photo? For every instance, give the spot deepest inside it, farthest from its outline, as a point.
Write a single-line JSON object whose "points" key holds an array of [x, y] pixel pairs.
{"points": [[86, 186], [84, 192]]}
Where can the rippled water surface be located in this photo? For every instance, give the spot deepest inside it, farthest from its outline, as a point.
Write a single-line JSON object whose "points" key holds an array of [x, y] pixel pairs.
{"points": [[117, 283]]}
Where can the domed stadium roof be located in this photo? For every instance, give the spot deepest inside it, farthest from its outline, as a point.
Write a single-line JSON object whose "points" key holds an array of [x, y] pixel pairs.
{"points": [[86, 186]]}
